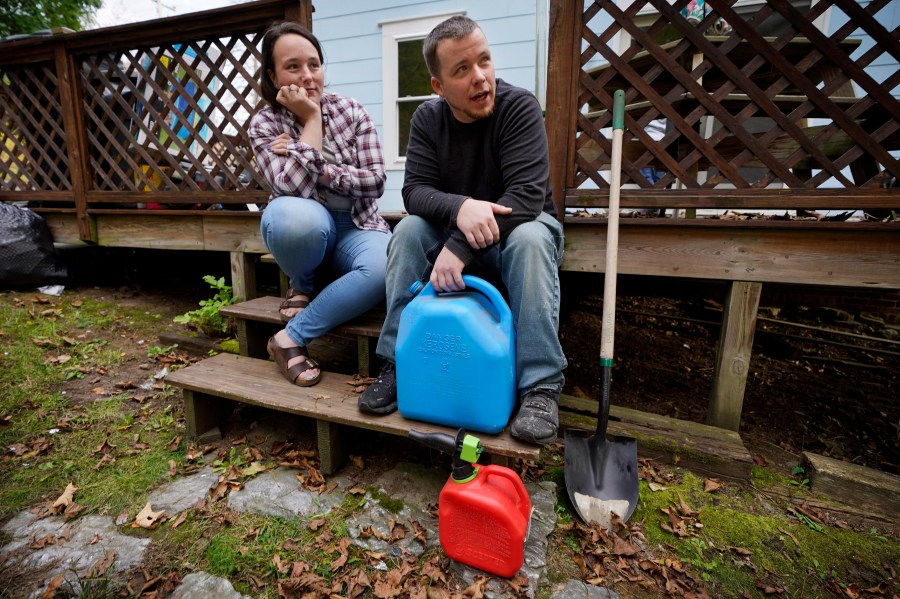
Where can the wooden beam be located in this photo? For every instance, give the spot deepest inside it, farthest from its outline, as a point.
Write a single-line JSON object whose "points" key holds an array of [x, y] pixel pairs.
{"points": [[733, 355], [845, 254], [76, 143], [866, 490], [565, 27], [698, 447]]}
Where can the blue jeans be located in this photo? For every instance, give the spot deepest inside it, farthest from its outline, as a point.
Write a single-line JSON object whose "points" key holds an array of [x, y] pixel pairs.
{"points": [[528, 263], [303, 235]]}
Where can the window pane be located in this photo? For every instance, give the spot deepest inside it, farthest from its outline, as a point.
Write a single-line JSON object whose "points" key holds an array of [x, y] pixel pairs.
{"points": [[413, 78], [406, 110]]}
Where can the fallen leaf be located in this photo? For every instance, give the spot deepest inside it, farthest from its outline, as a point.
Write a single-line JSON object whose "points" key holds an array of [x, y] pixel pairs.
{"points": [[105, 447], [356, 461], [64, 500], [72, 510], [147, 518], [316, 524], [419, 533], [398, 531], [280, 566], [179, 520], [789, 535], [173, 467], [711, 486], [253, 469], [53, 586], [389, 586], [102, 565], [623, 547], [175, 443]]}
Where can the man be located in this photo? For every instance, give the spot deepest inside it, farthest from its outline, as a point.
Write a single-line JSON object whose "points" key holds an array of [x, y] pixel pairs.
{"points": [[478, 197]]}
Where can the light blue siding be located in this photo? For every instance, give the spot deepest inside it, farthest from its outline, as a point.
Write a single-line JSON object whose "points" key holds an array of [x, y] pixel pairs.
{"points": [[884, 66]]}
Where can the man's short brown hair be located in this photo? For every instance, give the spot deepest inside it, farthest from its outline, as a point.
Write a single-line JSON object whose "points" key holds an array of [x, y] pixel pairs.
{"points": [[454, 28]]}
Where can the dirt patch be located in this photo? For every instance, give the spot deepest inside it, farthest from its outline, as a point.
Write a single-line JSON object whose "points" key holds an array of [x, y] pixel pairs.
{"points": [[818, 387]]}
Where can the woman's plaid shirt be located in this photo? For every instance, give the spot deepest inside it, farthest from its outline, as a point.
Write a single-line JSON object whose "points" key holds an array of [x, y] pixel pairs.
{"points": [[360, 175]]}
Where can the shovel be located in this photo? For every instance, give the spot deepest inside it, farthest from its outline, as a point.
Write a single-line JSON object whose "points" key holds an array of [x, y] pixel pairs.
{"points": [[601, 473]]}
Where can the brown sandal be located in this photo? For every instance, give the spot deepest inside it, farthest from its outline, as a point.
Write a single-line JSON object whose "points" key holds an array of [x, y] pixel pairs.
{"points": [[283, 355], [290, 302]]}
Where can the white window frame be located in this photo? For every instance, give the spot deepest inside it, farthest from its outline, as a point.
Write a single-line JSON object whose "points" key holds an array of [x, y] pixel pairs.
{"points": [[392, 33]]}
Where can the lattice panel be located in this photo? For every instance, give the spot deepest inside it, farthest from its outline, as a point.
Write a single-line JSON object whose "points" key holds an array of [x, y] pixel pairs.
{"points": [[746, 99], [173, 118], [33, 152]]}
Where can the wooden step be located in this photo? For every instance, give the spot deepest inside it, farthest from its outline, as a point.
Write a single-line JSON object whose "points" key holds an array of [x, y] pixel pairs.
{"points": [[265, 309], [706, 450], [212, 386], [258, 319]]}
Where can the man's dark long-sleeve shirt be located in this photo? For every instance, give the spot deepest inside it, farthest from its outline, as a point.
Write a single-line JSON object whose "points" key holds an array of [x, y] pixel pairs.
{"points": [[502, 158]]}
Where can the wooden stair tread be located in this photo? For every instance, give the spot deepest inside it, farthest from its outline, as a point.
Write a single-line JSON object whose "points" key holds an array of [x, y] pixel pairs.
{"points": [[695, 446], [265, 309], [259, 382]]}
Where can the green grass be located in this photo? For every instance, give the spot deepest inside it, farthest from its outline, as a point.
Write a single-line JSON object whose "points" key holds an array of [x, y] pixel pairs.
{"points": [[248, 544], [801, 558], [45, 345]]}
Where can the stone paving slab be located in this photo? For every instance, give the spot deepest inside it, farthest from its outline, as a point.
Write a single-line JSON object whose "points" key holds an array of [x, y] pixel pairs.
{"points": [[74, 547], [200, 585], [278, 493], [184, 492]]}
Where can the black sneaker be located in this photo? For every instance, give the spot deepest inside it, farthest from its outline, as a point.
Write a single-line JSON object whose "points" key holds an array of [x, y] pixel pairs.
{"points": [[538, 417], [381, 396]]}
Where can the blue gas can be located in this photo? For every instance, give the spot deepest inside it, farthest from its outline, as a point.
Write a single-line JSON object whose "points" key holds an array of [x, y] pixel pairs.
{"points": [[456, 358]]}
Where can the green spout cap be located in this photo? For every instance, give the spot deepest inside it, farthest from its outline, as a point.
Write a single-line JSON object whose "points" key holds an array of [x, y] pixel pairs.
{"points": [[471, 449]]}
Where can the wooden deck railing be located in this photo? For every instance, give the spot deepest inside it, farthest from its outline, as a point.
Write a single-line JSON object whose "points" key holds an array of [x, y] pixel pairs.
{"points": [[764, 112], [148, 114]]}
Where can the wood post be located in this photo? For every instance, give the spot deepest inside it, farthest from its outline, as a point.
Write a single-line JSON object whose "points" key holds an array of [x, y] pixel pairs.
{"points": [[76, 144], [733, 356], [331, 447], [203, 412], [243, 276], [562, 80]]}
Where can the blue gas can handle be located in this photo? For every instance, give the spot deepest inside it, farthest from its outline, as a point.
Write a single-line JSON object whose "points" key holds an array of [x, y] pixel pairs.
{"points": [[478, 284]]}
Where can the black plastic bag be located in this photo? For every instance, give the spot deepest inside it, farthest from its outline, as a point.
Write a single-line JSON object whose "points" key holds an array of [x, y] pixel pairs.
{"points": [[27, 255]]}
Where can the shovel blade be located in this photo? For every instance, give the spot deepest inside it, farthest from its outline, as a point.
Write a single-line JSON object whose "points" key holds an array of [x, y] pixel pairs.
{"points": [[601, 477]]}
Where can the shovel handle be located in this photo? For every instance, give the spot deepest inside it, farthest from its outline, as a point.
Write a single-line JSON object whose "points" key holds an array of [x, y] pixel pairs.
{"points": [[607, 337], [612, 230]]}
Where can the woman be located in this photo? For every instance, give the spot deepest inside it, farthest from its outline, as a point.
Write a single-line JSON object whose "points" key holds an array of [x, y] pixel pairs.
{"points": [[321, 156]]}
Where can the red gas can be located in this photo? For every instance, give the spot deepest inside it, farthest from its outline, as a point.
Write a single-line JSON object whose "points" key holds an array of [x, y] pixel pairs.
{"points": [[483, 521]]}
